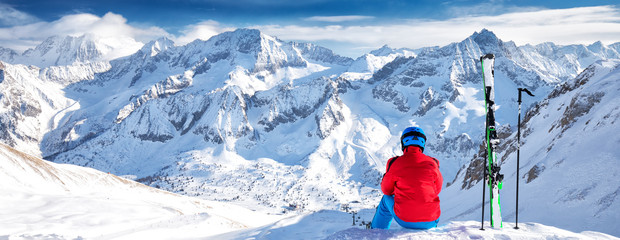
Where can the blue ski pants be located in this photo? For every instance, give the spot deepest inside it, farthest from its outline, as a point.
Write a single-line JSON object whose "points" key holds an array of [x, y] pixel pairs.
{"points": [[385, 214]]}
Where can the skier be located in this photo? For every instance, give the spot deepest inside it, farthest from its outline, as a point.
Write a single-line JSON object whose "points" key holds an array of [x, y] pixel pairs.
{"points": [[410, 186]]}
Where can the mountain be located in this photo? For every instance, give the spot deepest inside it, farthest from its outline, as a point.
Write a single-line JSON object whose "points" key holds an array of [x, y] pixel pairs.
{"points": [[33, 100], [58, 50], [209, 105], [29, 106], [7, 54], [566, 61], [32, 96], [366, 65], [387, 51], [69, 50], [296, 126]]}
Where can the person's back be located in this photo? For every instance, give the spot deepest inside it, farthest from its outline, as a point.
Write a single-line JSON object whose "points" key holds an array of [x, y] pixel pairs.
{"points": [[411, 185]]}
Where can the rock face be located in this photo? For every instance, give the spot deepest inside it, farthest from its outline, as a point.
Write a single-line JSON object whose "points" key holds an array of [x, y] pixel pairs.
{"points": [[295, 125]]}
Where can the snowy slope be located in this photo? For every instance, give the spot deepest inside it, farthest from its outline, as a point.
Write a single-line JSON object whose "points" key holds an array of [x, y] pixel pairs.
{"points": [[568, 163], [43, 200], [338, 225]]}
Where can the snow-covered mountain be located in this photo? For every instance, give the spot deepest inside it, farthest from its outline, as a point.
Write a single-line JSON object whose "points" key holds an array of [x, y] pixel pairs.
{"points": [[29, 105], [7, 55], [364, 66], [296, 126], [33, 100], [230, 95], [69, 50], [439, 89]]}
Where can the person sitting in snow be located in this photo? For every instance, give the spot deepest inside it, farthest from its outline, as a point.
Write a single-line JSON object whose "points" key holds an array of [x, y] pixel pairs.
{"points": [[410, 186]]}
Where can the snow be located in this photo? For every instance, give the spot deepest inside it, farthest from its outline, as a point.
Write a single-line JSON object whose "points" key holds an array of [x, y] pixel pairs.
{"points": [[304, 132], [470, 230], [43, 200], [70, 50]]}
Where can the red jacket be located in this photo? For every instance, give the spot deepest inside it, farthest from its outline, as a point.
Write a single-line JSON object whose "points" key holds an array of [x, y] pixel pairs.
{"points": [[415, 181]]}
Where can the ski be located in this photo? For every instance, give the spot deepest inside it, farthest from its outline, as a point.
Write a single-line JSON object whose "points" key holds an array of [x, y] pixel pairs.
{"points": [[493, 177]]}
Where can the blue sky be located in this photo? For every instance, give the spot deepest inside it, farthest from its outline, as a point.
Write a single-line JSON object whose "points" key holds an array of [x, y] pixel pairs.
{"points": [[349, 27]]}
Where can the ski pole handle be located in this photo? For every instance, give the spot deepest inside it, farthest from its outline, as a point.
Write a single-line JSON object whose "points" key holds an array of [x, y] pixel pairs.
{"points": [[526, 91]]}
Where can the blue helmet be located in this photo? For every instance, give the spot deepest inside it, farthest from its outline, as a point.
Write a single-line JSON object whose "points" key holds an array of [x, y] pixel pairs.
{"points": [[413, 136]]}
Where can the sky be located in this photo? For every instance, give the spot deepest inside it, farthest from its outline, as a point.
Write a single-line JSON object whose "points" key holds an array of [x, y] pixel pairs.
{"points": [[349, 27]]}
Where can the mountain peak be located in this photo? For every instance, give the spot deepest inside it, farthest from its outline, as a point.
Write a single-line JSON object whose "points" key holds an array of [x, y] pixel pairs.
{"points": [[322, 54], [486, 40], [243, 40], [247, 32], [57, 50], [242, 33], [485, 36], [7, 55], [156, 46], [598, 46], [385, 50]]}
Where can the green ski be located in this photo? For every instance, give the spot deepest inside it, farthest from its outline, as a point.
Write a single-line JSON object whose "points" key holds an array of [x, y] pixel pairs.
{"points": [[493, 177]]}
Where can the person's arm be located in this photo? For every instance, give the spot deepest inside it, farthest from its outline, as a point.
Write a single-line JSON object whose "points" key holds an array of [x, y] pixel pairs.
{"points": [[387, 184], [439, 181]]}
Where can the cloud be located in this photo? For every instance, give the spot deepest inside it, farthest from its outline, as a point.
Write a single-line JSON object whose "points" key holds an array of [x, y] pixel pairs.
{"points": [[338, 18], [344, 35], [486, 9], [10, 16], [203, 31], [583, 25], [112, 29]]}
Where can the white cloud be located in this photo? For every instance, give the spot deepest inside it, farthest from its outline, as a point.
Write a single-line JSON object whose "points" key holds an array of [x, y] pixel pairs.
{"points": [[111, 28], [563, 26], [203, 31], [10, 16], [491, 7], [339, 18]]}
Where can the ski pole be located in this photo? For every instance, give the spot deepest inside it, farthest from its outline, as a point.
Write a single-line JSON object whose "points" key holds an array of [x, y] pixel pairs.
{"points": [[484, 177], [518, 151]]}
